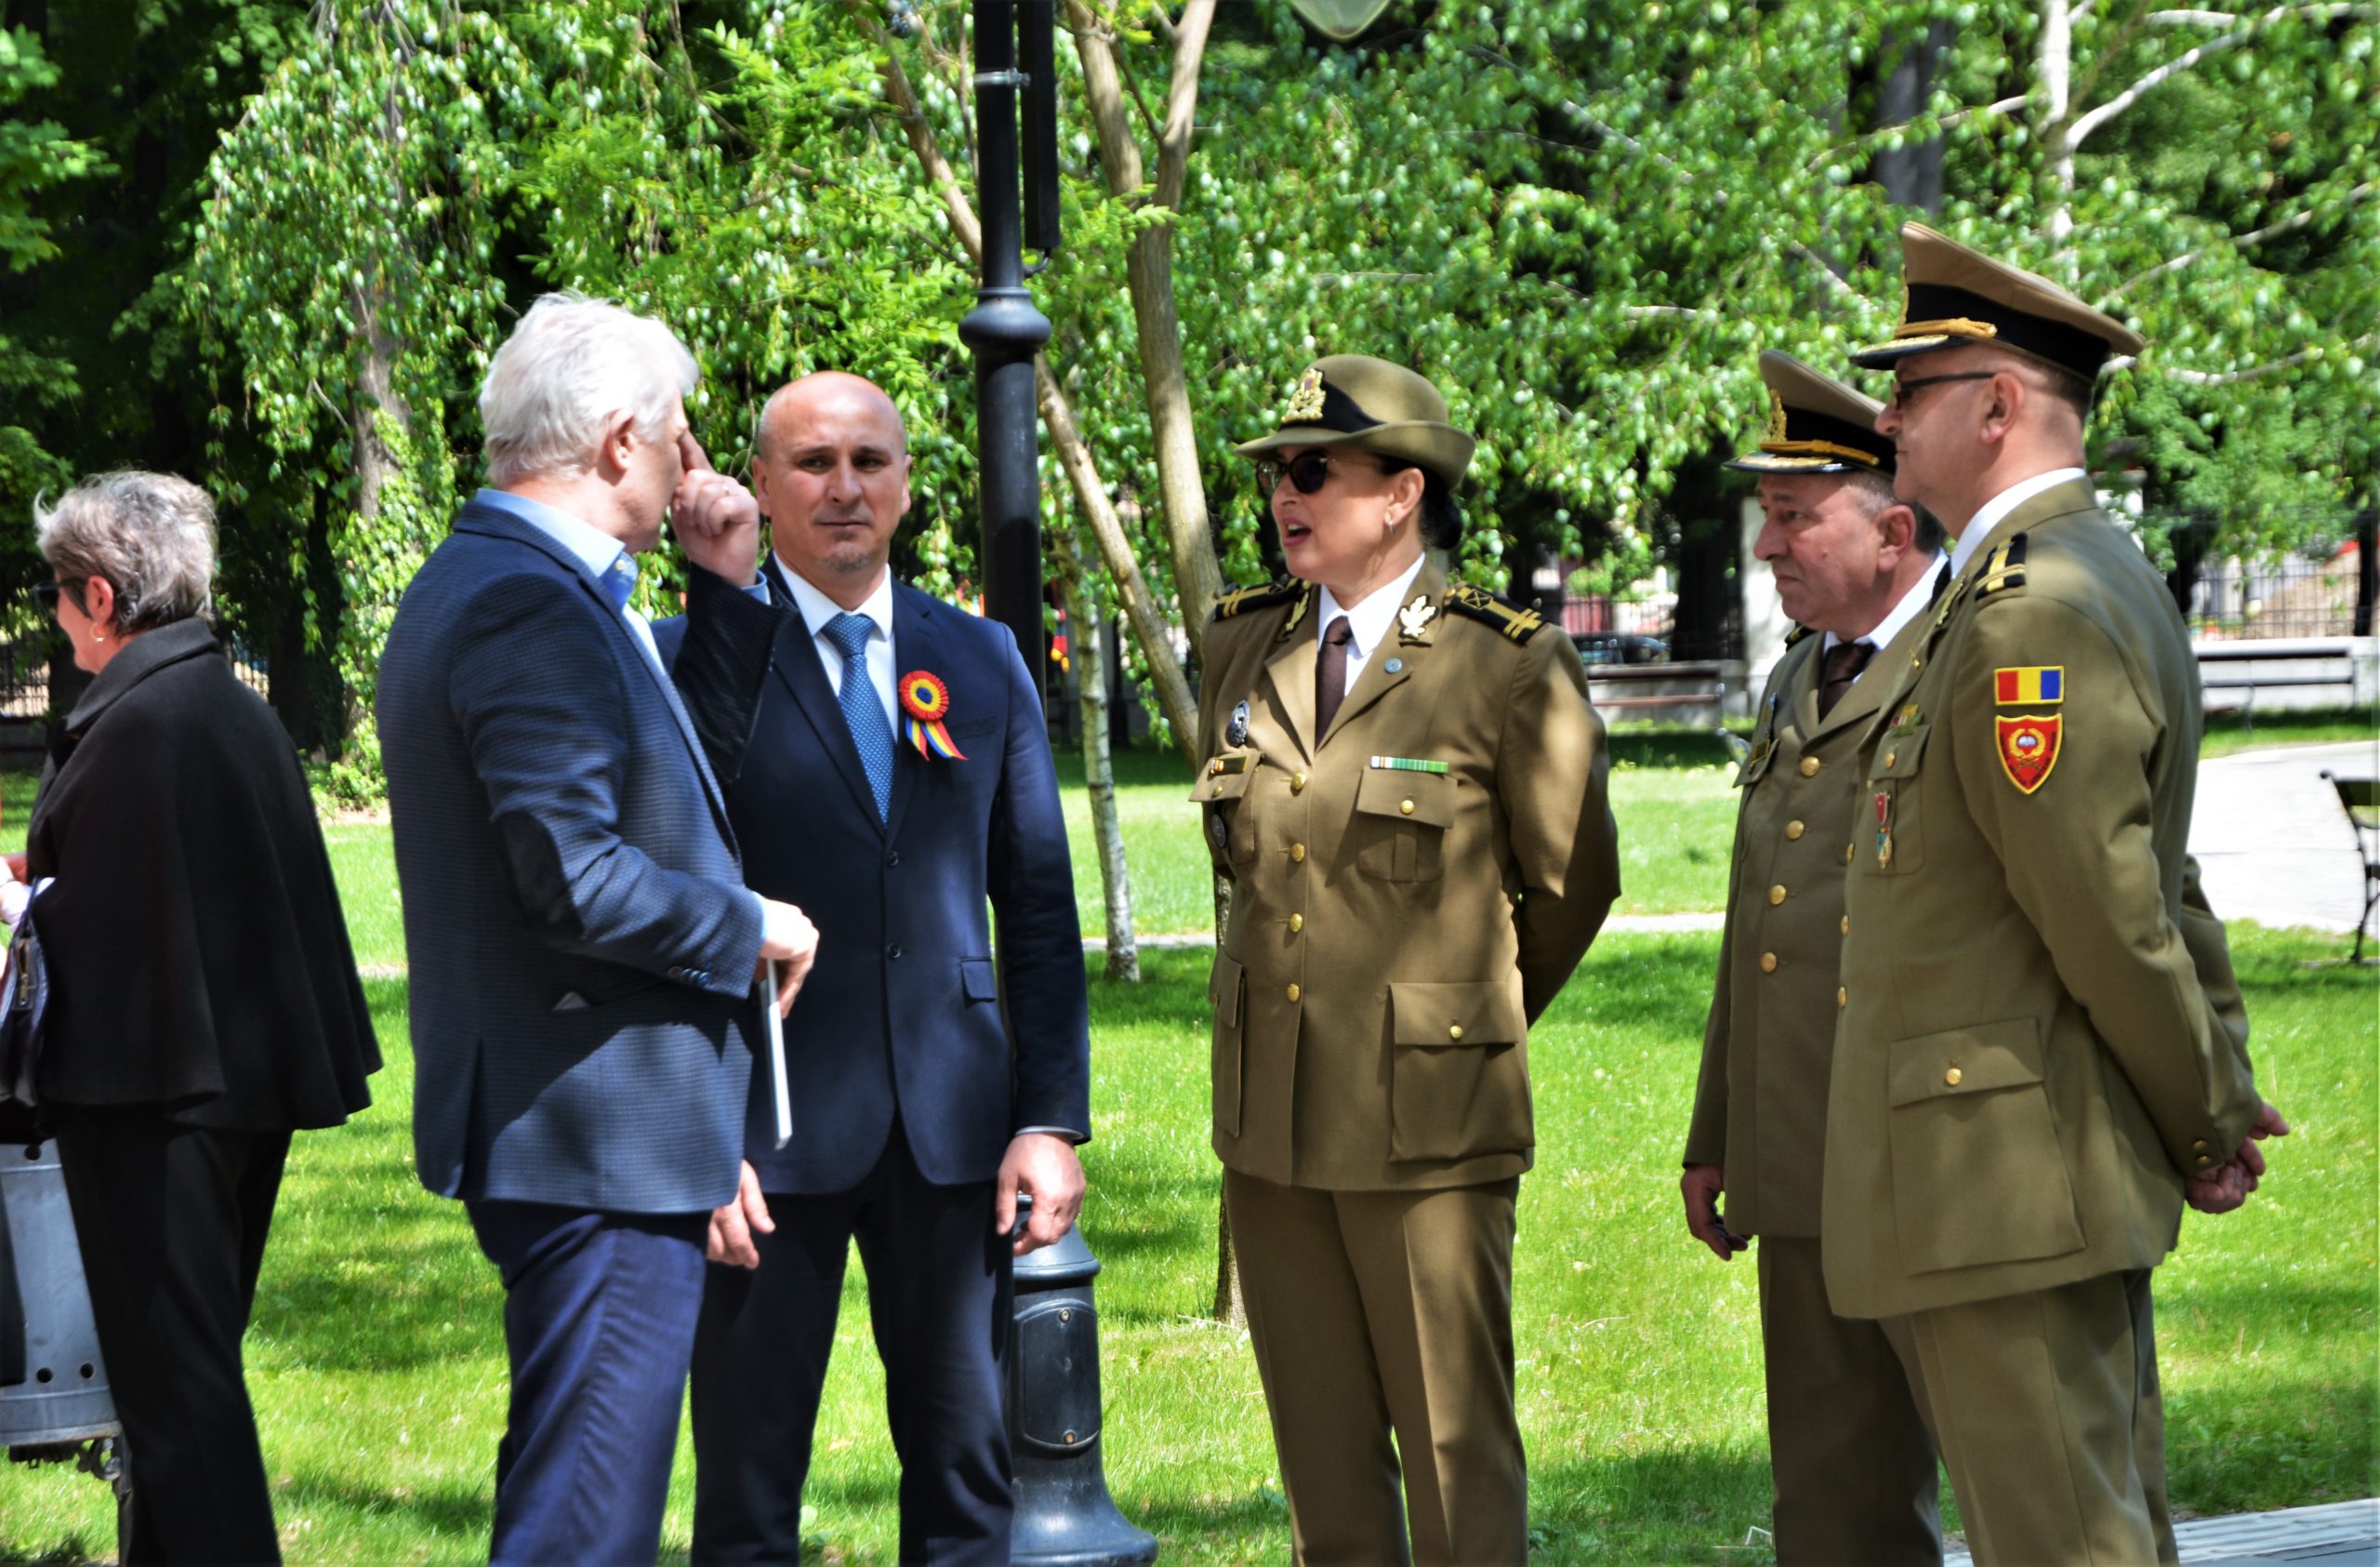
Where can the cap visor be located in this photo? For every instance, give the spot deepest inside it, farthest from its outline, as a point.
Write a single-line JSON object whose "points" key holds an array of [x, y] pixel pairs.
{"points": [[1763, 462], [1314, 436], [1882, 355]]}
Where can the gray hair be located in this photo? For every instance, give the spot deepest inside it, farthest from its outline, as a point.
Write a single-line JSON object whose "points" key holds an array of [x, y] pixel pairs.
{"points": [[571, 367], [1875, 493], [151, 535]]}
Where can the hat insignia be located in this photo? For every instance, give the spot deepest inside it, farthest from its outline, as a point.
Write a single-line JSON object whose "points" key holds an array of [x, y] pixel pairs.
{"points": [[1306, 405], [1776, 417]]}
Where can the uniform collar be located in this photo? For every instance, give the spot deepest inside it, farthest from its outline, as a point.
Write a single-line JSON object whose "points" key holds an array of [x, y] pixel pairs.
{"points": [[1909, 607], [1369, 621], [1992, 512]]}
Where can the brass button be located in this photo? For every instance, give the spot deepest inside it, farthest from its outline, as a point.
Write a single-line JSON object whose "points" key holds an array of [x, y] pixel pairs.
{"points": [[1809, 766], [1952, 1076], [1846, 924], [1219, 791], [1768, 963], [1297, 923], [1405, 806], [1454, 1030], [1297, 854], [1917, 662], [1841, 997], [1294, 992], [1891, 757], [1297, 782], [1775, 896], [1847, 852], [2203, 1161], [2199, 1146], [1794, 830]]}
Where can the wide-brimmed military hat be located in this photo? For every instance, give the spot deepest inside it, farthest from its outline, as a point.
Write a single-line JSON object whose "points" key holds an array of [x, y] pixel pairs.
{"points": [[1814, 425], [1952, 296], [1354, 400]]}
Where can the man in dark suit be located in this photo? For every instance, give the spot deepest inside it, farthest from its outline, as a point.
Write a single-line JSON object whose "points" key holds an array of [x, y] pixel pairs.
{"points": [[583, 949], [930, 1083]]}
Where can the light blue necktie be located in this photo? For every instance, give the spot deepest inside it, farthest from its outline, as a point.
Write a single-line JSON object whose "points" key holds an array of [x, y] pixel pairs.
{"points": [[862, 714]]}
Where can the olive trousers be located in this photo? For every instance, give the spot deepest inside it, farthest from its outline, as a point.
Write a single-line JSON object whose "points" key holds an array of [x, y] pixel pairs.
{"points": [[1376, 1313]]}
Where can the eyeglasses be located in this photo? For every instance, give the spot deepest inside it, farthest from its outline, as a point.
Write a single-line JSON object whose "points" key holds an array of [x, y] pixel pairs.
{"points": [[46, 593], [1308, 471], [1899, 401]]}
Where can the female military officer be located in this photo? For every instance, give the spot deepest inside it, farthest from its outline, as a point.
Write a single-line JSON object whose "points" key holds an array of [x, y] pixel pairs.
{"points": [[1406, 787]]}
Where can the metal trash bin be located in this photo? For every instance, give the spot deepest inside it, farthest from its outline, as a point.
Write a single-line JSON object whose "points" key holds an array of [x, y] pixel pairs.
{"points": [[60, 1409]]}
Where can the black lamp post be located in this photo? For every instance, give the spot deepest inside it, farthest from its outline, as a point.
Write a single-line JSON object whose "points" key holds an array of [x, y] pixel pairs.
{"points": [[1064, 1517]]}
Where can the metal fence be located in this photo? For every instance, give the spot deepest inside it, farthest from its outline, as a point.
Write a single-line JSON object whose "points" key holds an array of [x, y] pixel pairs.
{"points": [[2324, 588], [25, 678]]}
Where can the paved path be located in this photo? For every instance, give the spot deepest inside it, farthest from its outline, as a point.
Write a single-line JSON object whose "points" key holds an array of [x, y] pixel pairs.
{"points": [[2271, 838], [2341, 1535]]}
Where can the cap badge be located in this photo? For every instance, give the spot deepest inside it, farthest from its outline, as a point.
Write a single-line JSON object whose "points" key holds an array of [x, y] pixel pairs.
{"points": [[1776, 417], [1413, 620], [1306, 405]]}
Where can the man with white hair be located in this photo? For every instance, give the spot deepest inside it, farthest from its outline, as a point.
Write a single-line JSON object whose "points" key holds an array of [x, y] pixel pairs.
{"points": [[583, 951]]}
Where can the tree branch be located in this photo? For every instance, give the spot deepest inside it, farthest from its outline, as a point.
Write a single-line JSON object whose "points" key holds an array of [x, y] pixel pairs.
{"points": [[2005, 105], [2306, 355], [1181, 104], [2084, 125], [2241, 241]]}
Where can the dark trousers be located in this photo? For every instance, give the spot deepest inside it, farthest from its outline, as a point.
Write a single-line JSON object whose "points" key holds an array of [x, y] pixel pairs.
{"points": [[172, 1221], [940, 1293], [599, 1320]]}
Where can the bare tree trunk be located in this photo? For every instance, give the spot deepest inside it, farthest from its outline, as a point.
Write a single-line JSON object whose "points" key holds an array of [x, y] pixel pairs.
{"points": [[1911, 175], [1197, 577], [2056, 61], [1099, 771]]}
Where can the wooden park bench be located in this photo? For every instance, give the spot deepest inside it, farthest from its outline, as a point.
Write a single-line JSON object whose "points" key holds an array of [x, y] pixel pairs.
{"points": [[1622, 687], [2249, 668]]}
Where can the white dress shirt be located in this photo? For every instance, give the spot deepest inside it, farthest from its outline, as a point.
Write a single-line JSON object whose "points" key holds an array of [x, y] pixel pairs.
{"points": [[1369, 621], [817, 610], [594, 549], [1989, 516]]}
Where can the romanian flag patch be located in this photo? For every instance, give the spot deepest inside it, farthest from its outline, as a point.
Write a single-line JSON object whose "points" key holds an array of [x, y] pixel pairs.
{"points": [[2028, 748], [2030, 685]]}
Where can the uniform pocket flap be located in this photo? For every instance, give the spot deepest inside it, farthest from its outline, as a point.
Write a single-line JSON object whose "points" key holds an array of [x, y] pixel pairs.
{"points": [[1897, 755], [1424, 797], [1486, 1013], [1221, 785], [1966, 1061], [1223, 988], [976, 980]]}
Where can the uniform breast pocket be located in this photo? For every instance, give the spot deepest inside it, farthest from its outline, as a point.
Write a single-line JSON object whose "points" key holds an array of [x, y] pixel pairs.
{"points": [[1891, 820], [1399, 829], [1230, 823]]}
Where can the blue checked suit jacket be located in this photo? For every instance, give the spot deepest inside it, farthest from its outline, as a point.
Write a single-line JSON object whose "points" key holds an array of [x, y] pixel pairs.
{"points": [[904, 1012], [578, 938]]}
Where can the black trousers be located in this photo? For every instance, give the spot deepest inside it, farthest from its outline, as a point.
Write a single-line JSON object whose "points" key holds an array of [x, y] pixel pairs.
{"points": [[940, 1292], [172, 1221]]}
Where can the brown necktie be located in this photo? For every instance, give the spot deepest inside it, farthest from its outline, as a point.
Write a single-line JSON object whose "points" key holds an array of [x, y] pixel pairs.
{"points": [[1844, 662], [1330, 675]]}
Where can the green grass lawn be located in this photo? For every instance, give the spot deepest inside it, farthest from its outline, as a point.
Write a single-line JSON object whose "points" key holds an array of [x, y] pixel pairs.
{"points": [[378, 1367]]}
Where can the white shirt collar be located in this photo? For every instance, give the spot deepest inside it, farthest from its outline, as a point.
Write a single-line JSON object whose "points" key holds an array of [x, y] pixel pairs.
{"points": [[1369, 621], [818, 609], [1906, 608], [590, 545], [1990, 513]]}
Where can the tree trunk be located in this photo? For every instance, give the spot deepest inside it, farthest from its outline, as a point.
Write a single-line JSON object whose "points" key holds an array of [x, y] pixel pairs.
{"points": [[1911, 175], [1099, 772], [2055, 62]]}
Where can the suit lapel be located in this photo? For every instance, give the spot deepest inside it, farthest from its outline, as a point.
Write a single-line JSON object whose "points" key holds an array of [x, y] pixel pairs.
{"points": [[1378, 679], [915, 647], [1289, 665], [803, 675]]}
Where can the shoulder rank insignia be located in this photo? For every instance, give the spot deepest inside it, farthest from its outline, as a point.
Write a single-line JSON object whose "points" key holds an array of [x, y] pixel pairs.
{"points": [[2028, 685], [1281, 589], [1796, 634], [2028, 748], [1413, 620], [2005, 570], [1509, 619]]}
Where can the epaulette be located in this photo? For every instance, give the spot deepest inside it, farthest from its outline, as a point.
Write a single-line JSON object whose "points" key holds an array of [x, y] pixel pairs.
{"points": [[2005, 569], [1507, 617], [1280, 590], [1796, 634]]}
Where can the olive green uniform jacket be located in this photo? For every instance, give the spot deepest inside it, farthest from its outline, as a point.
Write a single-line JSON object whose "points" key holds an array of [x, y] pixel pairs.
{"points": [[1760, 1105], [1393, 933], [2035, 1046]]}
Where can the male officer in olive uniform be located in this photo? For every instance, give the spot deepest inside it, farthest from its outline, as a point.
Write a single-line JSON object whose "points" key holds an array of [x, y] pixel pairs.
{"points": [[2032, 1064], [1854, 1466], [1413, 880]]}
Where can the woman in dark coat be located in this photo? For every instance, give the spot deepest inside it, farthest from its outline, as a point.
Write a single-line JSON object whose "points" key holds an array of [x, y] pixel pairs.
{"points": [[204, 999]]}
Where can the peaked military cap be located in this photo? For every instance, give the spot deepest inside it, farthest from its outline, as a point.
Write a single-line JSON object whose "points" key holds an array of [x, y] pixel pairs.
{"points": [[1814, 425], [1354, 400], [1951, 295]]}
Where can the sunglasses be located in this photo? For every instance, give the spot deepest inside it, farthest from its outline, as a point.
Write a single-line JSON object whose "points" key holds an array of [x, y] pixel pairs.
{"points": [[1899, 401], [46, 593], [1308, 471]]}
